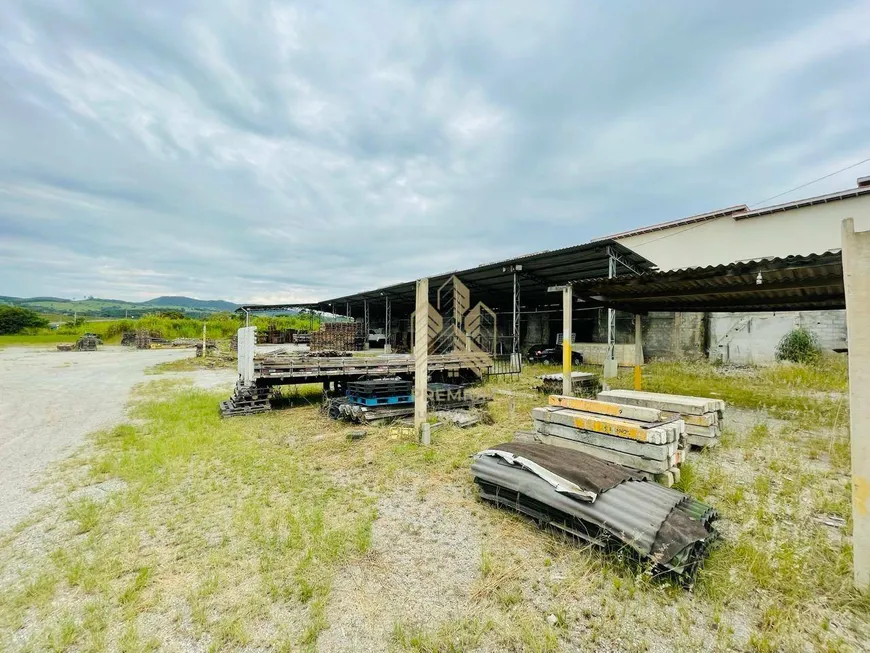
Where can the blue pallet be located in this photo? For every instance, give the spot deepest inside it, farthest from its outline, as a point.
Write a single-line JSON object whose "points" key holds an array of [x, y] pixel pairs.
{"points": [[381, 401]]}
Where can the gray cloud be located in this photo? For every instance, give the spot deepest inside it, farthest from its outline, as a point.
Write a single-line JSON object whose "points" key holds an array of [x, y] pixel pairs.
{"points": [[293, 151]]}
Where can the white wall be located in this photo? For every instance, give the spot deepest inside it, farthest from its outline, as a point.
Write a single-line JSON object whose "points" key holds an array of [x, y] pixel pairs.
{"points": [[808, 230], [752, 337]]}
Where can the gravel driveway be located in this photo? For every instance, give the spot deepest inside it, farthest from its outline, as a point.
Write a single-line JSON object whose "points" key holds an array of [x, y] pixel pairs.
{"points": [[49, 402]]}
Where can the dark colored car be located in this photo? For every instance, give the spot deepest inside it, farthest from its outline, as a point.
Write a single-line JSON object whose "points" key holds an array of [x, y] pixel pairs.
{"points": [[551, 355]]}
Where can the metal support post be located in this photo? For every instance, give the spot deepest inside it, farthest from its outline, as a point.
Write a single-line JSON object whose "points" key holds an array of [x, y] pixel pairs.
{"points": [[347, 309], [516, 314], [610, 368], [366, 323], [388, 317], [567, 320], [856, 281], [421, 360]]}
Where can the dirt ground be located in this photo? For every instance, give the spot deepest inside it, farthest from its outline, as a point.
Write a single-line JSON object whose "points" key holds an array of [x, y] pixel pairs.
{"points": [[51, 400]]}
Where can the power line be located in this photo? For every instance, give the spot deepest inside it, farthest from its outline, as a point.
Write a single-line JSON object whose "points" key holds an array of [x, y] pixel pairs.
{"points": [[809, 183]]}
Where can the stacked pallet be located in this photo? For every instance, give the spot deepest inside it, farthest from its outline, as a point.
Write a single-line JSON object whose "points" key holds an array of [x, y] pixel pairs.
{"points": [[703, 416], [636, 437], [247, 400], [340, 336], [380, 392]]}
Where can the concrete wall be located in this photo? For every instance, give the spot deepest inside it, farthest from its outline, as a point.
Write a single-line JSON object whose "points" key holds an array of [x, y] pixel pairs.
{"points": [[745, 338], [809, 230]]}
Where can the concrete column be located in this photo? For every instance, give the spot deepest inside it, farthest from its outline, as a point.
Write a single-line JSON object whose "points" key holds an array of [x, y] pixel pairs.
{"points": [[421, 359], [638, 352], [856, 278], [567, 320]]}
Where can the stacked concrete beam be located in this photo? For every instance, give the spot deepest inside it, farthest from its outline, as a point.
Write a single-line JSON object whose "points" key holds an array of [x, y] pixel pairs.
{"points": [[633, 436], [703, 416]]}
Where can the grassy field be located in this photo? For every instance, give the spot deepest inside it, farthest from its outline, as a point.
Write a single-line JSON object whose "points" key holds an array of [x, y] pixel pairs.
{"points": [[217, 327], [182, 531]]}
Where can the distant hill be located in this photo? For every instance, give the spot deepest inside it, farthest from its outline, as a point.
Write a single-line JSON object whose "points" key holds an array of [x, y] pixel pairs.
{"points": [[189, 302], [96, 307]]}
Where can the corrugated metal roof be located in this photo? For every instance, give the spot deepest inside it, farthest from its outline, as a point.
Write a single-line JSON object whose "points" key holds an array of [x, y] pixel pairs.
{"points": [[809, 201], [778, 284], [492, 283], [701, 217]]}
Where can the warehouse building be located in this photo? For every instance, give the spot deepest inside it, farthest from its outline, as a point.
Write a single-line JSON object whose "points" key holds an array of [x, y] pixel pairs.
{"points": [[513, 298], [738, 233]]}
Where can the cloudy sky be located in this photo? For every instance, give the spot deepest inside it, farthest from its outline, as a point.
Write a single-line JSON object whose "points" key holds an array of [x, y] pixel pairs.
{"points": [[272, 151]]}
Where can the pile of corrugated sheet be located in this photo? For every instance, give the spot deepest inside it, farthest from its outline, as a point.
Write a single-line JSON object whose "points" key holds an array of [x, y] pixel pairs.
{"points": [[583, 384], [633, 436], [601, 503], [704, 417]]}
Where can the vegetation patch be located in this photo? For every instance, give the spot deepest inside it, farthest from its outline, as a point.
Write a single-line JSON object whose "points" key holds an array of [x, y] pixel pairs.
{"points": [[235, 533]]}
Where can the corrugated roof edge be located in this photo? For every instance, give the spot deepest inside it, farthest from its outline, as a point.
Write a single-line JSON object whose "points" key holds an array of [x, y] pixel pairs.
{"points": [[833, 256], [700, 217], [809, 201]]}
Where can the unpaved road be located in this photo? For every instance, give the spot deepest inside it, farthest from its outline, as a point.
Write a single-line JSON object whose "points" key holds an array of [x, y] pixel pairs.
{"points": [[49, 402]]}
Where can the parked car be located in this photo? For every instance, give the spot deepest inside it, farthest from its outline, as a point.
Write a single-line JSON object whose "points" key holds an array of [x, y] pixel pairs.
{"points": [[377, 338], [551, 355]]}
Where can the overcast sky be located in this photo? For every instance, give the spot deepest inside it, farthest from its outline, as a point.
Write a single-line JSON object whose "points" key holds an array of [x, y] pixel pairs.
{"points": [[257, 151]]}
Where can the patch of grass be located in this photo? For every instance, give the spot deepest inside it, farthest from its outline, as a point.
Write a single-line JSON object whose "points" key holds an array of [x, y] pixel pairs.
{"points": [[202, 494], [450, 637], [813, 392]]}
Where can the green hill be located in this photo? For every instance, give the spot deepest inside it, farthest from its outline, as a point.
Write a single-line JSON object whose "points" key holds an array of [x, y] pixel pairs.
{"points": [[97, 307]]}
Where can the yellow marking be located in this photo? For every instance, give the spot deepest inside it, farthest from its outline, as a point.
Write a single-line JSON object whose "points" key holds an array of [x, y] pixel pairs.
{"points": [[612, 427], [588, 405], [861, 495]]}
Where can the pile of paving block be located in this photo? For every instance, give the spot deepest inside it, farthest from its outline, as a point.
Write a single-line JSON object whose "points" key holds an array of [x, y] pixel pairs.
{"points": [[247, 400], [704, 417], [633, 436]]}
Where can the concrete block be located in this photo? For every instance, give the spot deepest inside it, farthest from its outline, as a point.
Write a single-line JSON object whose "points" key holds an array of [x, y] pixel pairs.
{"points": [[628, 460], [661, 452], [639, 413], [618, 427], [673, 403]]}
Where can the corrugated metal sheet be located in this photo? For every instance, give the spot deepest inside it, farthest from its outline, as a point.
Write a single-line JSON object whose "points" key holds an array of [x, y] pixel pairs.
{"points": [[701, 217], [793, 283], [661, 524], [492, 283]]}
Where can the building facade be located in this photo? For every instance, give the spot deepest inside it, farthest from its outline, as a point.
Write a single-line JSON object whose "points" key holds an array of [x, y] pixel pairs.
{"points": [[809, 226]]}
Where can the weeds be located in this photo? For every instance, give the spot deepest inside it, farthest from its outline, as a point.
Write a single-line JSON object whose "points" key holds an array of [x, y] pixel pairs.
{"points": [[230, 533]]}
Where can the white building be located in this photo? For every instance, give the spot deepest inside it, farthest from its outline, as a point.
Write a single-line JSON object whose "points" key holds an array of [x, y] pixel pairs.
{"points": [[808, 226]]}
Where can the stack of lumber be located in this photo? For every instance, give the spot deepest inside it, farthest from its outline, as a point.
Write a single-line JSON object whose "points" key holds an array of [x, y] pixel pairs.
{"points": [[143, 339], [302, 338], [636, 437], [247, 400], [340, 336], [703, 416]]}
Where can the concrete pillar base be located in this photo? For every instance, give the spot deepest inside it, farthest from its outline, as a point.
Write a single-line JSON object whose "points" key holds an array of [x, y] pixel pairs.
{"points": [[610, 368]]}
